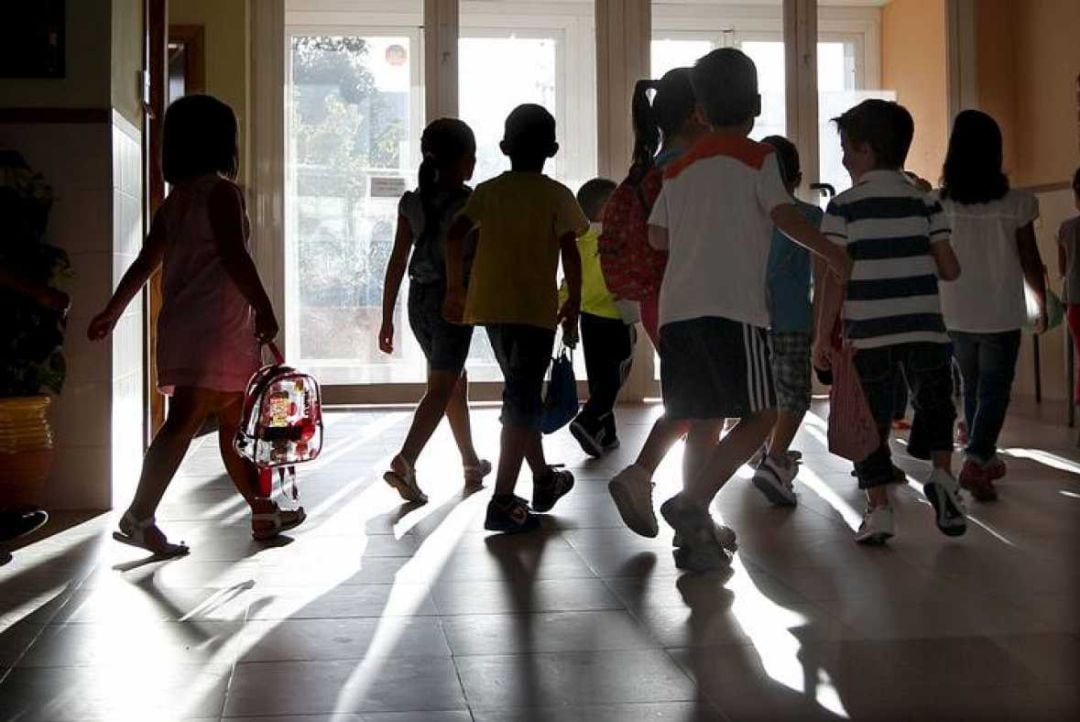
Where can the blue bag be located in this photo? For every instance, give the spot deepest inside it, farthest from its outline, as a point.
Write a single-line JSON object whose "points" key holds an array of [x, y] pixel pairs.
{"points": [[561, 399]]}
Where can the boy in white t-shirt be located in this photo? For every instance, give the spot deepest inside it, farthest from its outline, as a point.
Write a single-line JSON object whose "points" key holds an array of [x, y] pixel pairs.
{"points": [[715, 217]]}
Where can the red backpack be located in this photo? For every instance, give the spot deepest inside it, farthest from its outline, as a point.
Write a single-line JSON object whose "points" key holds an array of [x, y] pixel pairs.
{"points": [[633, 270]]}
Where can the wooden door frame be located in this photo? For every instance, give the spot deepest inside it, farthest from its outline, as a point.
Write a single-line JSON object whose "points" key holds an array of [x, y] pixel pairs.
{"points": [[155, 38]]}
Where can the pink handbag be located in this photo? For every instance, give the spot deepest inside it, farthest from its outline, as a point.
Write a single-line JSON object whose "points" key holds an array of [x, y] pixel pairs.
{"points": [[853, 433]]}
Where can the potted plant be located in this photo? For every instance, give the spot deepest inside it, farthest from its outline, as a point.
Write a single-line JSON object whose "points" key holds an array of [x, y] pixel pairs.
{"points": [[33, 320]]}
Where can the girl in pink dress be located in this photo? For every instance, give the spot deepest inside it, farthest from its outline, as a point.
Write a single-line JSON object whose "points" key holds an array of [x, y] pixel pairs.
{"points": [[215, 315]]}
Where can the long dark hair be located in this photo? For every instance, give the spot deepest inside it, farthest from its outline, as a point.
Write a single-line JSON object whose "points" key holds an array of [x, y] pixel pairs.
{"points": [[972, 171], [200, 137], [664, 117], [444, 143]]}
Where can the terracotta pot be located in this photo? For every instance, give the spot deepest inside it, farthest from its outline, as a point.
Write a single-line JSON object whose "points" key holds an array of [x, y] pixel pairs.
{"points": [[26, 451]]}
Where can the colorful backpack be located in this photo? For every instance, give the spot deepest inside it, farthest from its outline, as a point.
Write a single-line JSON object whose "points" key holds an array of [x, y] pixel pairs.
{"points": [[282, 422], [633, 270]]}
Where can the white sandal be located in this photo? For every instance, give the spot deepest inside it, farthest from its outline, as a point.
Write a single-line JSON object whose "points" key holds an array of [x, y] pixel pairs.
{"points": [[137, 537], [277, 521], [475, 473], [405, 483]]}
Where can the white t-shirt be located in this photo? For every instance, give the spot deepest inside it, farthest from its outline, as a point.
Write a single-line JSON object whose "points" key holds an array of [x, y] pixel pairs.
{"points": [[989, 295], [716, 204]]}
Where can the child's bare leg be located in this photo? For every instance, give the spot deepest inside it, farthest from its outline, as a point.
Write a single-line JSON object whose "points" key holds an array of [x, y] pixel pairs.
{"points": [[665, 432], [188, 409], [733, 451], [457, 413], [244, 475], [787, 425], [701, 440], [942, 460], [534, 454], [512, 448], [429, 412]]}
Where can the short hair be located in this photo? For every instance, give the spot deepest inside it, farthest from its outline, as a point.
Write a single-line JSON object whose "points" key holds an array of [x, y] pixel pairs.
{"points": [[788, 157], [726, 86], [200, 137], [886, 126], [529, 130], [594, 194]]}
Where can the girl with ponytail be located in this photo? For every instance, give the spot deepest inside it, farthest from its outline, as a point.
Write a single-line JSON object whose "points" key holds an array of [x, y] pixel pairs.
{"points": [[424, 216], [663, 129]]}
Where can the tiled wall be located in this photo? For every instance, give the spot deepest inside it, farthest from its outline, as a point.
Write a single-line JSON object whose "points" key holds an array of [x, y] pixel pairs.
{"points": [[97, 420], [127, 340]]}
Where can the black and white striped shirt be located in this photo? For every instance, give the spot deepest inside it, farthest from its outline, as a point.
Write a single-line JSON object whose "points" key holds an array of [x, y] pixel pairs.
{"points": [[888, 225]]}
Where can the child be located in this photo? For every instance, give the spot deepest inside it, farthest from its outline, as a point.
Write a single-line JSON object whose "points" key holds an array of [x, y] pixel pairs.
{"points": [[789, 337], [663, 130], [1069, 268], [525, 221], [607, 333], [994, 237], [715, 216], [424, 216], [214, 315], [898, 238]]}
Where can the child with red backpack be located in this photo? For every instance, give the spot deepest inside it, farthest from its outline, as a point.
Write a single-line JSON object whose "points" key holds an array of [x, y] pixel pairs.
{"points": [[663, 129]]}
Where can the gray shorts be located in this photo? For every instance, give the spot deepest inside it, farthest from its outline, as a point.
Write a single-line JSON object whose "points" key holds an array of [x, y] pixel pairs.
{"points": [[445, 345], [790, 354]]}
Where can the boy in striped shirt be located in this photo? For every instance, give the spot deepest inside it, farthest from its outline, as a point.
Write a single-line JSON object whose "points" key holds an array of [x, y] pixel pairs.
{"points": [[898, 239]]}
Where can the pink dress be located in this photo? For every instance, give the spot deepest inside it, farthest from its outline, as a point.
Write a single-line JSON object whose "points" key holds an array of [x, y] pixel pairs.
{"points": [[206, 330]]}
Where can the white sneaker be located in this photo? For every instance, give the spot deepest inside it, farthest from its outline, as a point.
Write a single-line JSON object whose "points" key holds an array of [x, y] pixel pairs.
{"points": [[632, 491], [943, 493], [724, 535], [877, 526], [775, 479]]}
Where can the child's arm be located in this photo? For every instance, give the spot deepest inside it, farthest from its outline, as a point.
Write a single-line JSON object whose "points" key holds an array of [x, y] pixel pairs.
{"points": [[1034, 270], [395, 271], [144, 266], [226, 207], [828, 299], [454, 305], [1063, 259], [948, 266], [571, 262], [42, 295], [794, 225], [658, 237]]}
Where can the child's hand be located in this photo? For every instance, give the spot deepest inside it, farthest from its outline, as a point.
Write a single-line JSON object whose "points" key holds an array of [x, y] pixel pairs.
{"points": [[386, 337], [822, 355], [266, 325], [568, 317], [1042, 322], [454, 305], [101, 325]]}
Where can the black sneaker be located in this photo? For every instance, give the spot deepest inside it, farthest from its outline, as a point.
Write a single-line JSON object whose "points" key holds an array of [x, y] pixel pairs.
{"points": [[550, 488], [590, 439], [14, 524], [511, 516]]}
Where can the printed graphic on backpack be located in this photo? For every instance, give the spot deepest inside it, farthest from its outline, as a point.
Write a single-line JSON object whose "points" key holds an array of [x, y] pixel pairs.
{"points": [[633, 270]]}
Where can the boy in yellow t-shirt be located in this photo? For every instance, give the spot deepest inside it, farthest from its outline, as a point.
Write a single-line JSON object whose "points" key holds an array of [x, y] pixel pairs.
{"points": [[607, 332], [525, 221]]}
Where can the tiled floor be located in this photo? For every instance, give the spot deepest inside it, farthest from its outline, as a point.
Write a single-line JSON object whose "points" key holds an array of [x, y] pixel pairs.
{"points": [[378, 612]]}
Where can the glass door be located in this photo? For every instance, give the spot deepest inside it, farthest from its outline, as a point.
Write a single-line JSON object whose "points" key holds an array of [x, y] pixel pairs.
{"points": [[353, 122]]}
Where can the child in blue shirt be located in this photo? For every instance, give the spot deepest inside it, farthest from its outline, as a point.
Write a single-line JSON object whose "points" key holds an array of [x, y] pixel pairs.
{"points": [[788, 279]]}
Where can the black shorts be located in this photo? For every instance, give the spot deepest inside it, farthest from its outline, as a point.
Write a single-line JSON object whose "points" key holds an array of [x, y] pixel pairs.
{"points": [[715, 368], [445, 345], [523, 353]]}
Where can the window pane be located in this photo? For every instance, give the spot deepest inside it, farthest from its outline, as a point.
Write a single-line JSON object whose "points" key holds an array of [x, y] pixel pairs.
{"points": [[353, 129]]}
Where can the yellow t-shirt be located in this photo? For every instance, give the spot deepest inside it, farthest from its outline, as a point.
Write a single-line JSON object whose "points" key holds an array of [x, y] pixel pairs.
{"points": [[520, 217], [596, 299]]}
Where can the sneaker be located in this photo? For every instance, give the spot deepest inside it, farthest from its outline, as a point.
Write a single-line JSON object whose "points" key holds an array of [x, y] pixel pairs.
{"points": [[510, 516], [724, 535], [775, 480], [590, 441], [876, 527], [975, 477], [995, 468], [943, 493], [402, 476], [550, 488], [631, 490], [699, 550]]}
